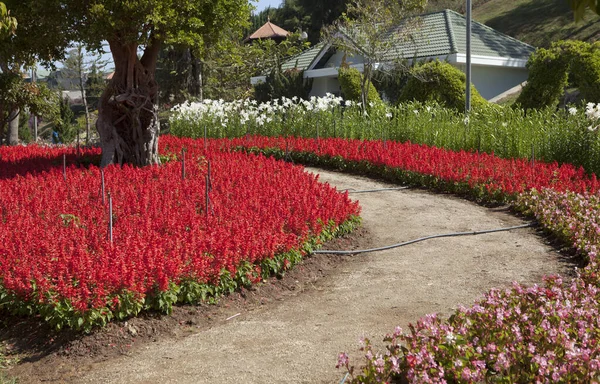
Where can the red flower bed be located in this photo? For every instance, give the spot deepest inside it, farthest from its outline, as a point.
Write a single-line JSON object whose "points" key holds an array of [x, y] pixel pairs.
{"points": [[493, 175], [55, 256]]}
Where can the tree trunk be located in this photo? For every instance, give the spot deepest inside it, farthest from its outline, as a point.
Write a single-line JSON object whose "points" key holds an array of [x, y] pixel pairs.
{"points": [[128, 122], [12, 135]]}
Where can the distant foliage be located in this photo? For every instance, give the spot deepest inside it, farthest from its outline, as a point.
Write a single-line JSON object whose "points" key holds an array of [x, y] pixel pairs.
{"points": [[549, 71], [441, 82], [65, 128], [350, 79], [289, 83], [390, 81]]}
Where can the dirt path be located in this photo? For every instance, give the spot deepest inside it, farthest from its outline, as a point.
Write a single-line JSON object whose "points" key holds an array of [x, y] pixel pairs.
{"points": [[297, 340]]}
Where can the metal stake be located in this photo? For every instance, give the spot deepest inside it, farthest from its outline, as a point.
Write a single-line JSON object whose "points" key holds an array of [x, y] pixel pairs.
{"points": [[110, 218], [102, 187], [182, 163], [207, 203], [205, 135], [318, 141], [209, 174]]}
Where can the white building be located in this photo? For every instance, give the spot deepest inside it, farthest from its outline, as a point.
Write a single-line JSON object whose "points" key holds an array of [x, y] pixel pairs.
{"points": [[498, 61]]}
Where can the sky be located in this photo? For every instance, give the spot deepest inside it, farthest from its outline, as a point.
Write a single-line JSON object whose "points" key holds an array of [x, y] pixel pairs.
{"points": [[262, 4]]}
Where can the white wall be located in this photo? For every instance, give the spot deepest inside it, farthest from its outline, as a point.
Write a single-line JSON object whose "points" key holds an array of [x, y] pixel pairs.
{"points": [[492, 81], [489, 81], [322, 85]]}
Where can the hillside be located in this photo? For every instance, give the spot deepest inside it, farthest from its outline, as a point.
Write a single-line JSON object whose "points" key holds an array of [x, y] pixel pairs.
{"points": [[537, 22]]}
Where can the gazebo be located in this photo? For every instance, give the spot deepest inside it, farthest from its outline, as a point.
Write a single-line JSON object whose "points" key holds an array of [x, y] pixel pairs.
{"points": [[269, 31]]}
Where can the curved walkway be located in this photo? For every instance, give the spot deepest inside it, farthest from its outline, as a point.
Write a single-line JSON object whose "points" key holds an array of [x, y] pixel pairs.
{"points": [[297, 340]]}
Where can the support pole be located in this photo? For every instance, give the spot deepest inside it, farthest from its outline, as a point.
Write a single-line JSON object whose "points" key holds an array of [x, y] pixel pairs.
{"points": [[102, 187], [65, 166], [110, 218], [182, 163], [468, 72], [207, 203]]}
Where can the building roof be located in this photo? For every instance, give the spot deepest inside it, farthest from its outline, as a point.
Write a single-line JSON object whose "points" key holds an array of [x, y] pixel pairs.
{"points": [[269, 31], [445, 32], [304, 59], [440, 34]]}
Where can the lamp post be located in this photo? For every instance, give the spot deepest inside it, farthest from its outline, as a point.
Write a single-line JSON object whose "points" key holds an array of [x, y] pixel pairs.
{"points": [[468, 90]]}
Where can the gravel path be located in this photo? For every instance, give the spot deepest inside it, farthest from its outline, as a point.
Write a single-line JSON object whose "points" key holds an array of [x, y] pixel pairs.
{"points": [[297, 340]]}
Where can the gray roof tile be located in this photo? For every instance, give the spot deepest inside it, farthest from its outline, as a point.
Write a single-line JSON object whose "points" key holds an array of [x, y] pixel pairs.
{"points": [[439, 34]]}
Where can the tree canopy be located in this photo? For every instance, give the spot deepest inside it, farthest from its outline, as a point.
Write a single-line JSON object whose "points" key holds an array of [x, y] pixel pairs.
{"points": [[372, 29], [135, 30]]}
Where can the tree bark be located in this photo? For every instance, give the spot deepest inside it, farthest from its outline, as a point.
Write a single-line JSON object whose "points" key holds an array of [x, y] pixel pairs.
{"points": [[12, 135], [128, 122]]}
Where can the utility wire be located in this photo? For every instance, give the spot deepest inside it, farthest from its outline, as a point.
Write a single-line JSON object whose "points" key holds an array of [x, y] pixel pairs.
{"points": [[454, 234], [350, 190]]}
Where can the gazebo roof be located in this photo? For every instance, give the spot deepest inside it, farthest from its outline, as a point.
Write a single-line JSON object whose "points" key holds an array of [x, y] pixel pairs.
{"points": [[269, 31]]}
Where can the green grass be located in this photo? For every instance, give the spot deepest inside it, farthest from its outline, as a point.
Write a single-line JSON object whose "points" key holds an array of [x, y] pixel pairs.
{"points": [[536, 22]]}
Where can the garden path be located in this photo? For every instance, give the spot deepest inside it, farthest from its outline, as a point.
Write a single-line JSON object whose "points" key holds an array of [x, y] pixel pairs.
{"points": [[297, 340]]}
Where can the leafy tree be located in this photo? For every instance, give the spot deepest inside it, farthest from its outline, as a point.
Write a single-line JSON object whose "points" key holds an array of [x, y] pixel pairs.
{"points": [[221, 70], [372, 29], [95, 83], [321, 14], [135, 30], [64, 127], [8, 24], [308, 15], [580, 6], [42, 35], [76, 67]]}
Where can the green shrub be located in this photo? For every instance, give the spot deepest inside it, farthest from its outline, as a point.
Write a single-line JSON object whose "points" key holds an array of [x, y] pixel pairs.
{"points": [[350, 82], [440, 82], [549, 71]]}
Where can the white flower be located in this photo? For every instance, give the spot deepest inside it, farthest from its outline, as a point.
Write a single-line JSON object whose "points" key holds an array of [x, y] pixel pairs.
{"points": [[573, 111], [416, 111], [388, 115], [466, 120], [592, 111], [450, 338], [348, 103]]}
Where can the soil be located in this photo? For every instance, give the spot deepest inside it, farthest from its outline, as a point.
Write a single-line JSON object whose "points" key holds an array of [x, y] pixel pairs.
{"points": [[291, 329]]}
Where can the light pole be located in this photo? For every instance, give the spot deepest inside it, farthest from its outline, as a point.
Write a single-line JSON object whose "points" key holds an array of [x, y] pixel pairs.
{"points": [[468, 90]]}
